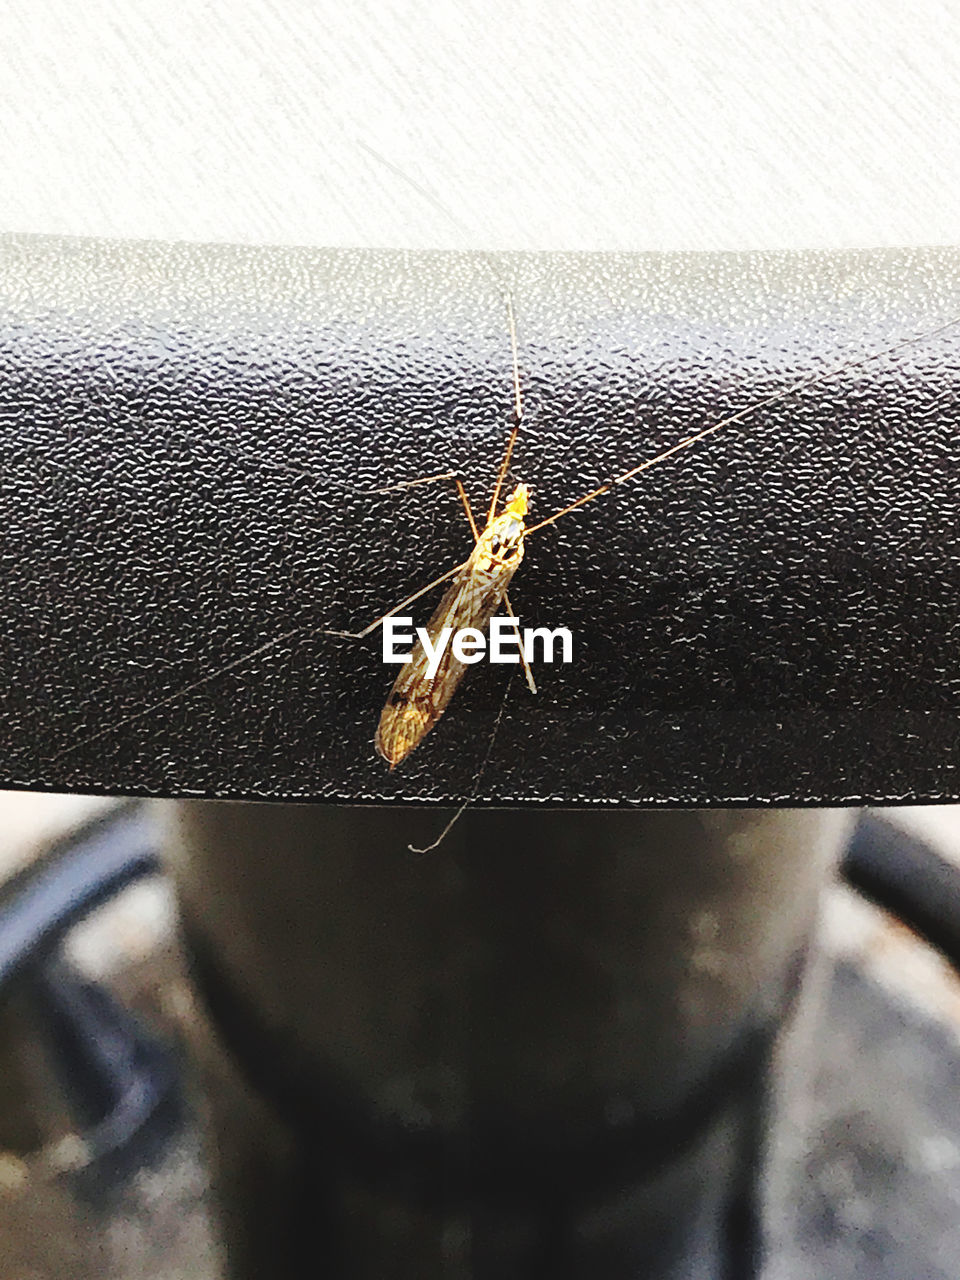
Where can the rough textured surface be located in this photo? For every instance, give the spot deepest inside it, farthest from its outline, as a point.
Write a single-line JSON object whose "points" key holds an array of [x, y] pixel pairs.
{"points": [[188, 434]]}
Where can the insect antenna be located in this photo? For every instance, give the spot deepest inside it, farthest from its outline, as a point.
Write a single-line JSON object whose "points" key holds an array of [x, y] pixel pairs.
{"points": [[517, 410], [451, 217], [802, 384]]}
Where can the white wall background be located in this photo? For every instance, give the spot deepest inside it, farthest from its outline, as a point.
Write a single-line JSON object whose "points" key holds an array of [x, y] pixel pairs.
{"points": [[537, 123]]}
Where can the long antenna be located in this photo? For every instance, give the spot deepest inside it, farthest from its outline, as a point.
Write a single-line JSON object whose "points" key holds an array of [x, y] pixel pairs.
{"points": [[811, 380], [438, 204], [518, 411]]}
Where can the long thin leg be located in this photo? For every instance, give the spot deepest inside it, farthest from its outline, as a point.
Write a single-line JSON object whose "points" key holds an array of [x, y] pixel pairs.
{"points": [[248, 657], [531, 683], [241, 455], [802, 384], [299, 631], [406, 484], [634, 471], [362, 635], [517, 410], [476, 782], [446, 475], [182, 692], [467, 508]]}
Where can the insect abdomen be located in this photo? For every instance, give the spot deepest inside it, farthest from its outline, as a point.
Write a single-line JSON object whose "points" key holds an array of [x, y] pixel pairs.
{"points": [[416, 702]]}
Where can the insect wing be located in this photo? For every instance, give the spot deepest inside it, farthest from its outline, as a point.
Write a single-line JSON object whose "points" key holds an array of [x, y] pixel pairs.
{"points": [[416, 701]]}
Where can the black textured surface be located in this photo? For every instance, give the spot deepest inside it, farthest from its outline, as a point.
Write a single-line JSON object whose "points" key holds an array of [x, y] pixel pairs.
{"points": [[770, 617]]}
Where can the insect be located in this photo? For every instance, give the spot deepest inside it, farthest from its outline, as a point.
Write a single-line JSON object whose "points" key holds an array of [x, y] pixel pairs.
{"points": [[419, 697], [477, 586]]}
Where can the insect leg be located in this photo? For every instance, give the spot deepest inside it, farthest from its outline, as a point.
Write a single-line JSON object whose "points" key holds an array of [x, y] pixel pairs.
{"points": [[476, 782], [531, 683], [628, 475], [407, 484], [467, 508], [361, 635], [303, 473], [802, 384], [86, 739], [244, 658], [445, 475]]}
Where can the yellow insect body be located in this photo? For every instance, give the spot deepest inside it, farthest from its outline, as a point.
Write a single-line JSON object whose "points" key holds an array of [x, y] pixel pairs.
{"points": [[416, 702]]}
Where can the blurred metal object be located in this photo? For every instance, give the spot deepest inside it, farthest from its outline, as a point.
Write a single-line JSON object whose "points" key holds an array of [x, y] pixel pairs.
{"points": [[910, 879], [85, 1089], [873, 1140], [74, 876], [546, 1049]]}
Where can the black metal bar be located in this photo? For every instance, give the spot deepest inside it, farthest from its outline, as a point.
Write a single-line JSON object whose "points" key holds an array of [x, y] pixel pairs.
{"points": [[191, 440]]}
